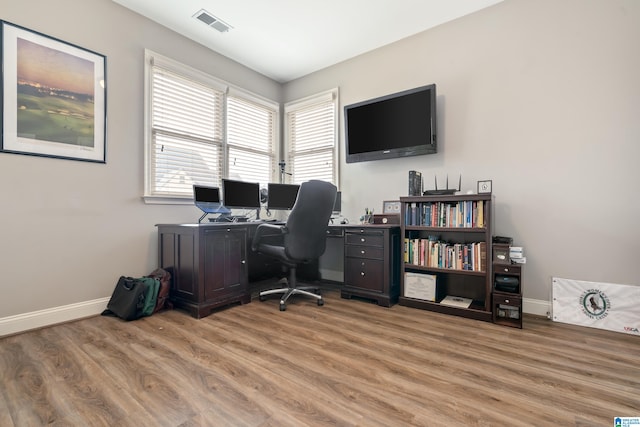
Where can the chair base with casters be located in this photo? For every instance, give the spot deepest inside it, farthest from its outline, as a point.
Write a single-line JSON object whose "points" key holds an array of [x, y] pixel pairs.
{"points": [[293, 289]]}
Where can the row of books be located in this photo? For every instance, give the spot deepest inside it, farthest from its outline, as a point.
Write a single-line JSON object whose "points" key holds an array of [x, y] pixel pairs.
{"points": [[438, 254], [466, 213]]}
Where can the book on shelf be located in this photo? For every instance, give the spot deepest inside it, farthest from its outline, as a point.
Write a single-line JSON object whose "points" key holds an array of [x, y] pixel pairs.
{"points": [[415, 183], [454, 301], [406, 249], [433, 253], [460, 214]]}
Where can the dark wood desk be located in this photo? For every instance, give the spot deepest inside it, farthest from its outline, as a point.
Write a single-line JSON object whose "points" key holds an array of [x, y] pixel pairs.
{"points": [[212, 264]]}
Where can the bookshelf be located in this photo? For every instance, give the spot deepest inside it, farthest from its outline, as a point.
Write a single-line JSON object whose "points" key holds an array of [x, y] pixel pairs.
{"points": [[446, 263]]}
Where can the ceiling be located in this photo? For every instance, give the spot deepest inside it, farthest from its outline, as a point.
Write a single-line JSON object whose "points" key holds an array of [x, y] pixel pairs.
{"points": [[287, 39]]}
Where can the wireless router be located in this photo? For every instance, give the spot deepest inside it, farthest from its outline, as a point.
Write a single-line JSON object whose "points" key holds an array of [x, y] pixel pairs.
{"points": [[445, 191]]}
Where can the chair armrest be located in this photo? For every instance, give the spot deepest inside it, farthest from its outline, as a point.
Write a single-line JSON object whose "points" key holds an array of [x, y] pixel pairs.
{"points": [[264, 228]]}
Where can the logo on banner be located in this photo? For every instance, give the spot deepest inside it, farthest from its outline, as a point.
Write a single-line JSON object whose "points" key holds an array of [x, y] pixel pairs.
{"points": [[595, 304]]}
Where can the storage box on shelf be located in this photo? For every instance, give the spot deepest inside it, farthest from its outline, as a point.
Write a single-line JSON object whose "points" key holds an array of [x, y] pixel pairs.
{"points": [[447, 239]]}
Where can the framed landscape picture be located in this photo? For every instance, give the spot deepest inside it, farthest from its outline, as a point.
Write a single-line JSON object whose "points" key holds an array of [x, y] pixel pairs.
{"points": [[53, 97]]}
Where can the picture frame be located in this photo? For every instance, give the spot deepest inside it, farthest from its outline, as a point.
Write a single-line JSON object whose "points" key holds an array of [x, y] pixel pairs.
{"points": [[484, 187], [53, 97], [391, 207]]}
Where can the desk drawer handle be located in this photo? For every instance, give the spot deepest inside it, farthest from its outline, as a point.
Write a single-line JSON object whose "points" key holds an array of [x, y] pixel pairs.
{"points": [[362, 273], [362, 252], [243, 262], [506, 301], [363, 239], [506, 270]]}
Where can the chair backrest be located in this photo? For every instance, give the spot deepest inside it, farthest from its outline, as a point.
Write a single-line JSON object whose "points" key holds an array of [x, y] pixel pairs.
{"points": [[309, 219]]}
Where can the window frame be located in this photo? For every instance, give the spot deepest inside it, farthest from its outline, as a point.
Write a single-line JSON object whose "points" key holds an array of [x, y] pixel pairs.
{"points": [[153, 58]]}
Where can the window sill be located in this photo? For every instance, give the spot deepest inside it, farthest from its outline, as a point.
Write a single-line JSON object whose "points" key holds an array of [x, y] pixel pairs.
{"points": [[167, 200]]}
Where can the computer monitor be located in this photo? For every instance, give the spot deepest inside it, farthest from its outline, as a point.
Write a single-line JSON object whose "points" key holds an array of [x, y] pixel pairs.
{"points": [[207, 198], [240, 194], [281, 196], [337, 204]]}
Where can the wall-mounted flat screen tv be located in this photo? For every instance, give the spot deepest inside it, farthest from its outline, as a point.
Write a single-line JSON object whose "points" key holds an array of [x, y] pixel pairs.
{"points": [[398, 125]]}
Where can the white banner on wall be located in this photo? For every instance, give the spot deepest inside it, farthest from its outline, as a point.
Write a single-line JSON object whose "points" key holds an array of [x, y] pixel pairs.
{"points": [[597, 305]]}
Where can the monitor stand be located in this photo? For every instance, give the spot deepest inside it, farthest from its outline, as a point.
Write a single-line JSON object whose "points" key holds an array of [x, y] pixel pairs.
{"points": [[222, 213]]}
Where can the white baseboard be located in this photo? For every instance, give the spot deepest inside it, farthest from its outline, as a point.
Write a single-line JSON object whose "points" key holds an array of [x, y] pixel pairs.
{"points": [[38, 319], [536, 306]]}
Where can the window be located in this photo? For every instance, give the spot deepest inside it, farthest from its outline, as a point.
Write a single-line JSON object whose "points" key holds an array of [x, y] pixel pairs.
{"points": [[251, 140], [311, 138], [199, 130]]}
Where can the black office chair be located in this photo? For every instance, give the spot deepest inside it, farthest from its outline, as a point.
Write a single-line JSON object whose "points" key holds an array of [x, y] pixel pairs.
{"points": [[303, 237]]}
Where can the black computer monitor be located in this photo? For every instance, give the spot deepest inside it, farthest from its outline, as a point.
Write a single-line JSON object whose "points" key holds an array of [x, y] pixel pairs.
{"points": [[240, 194], [337, 204], [208, 199], [281, 196]]}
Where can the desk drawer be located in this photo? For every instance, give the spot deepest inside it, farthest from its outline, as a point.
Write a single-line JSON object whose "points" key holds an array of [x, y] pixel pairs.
{"points": [[365, 239], [507, 269], [357, 251], [335, 232], [364, 274]]}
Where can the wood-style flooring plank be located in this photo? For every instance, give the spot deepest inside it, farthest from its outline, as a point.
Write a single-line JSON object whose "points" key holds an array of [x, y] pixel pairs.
{"points": [[347, 363]]}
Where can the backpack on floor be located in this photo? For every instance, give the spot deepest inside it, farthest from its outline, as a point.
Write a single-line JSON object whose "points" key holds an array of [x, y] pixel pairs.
{"points": [[164, 277], [150, 295]]}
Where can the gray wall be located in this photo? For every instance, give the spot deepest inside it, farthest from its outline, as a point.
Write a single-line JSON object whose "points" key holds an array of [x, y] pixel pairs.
{"points": [[543, 98], [539, 96], [70, 229]]}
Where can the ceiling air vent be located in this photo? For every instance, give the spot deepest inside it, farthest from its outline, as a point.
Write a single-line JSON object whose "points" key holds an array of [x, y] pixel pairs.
{"points": [[212, 21]]}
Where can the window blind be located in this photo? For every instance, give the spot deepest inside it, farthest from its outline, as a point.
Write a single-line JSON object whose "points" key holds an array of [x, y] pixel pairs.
{"points": [[186, 134], [199, 129], [311, 132], [250, 140]]}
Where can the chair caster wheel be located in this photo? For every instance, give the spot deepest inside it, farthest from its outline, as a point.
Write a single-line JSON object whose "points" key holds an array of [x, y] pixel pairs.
{"points": [[283, 307], [261, 298], [320, 302]]}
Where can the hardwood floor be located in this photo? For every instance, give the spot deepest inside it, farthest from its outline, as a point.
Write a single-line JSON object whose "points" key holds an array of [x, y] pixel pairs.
{"points": [[348, 363]]}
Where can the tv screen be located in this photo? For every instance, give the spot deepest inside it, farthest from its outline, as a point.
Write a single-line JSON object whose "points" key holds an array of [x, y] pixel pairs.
{"points": [[240, 194], [281, 196], [398, 125]]}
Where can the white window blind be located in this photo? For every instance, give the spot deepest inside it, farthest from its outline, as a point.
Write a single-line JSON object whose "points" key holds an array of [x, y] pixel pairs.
{"points": [[311, 138], [199, 130], [187, 134], [251, 141]]}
